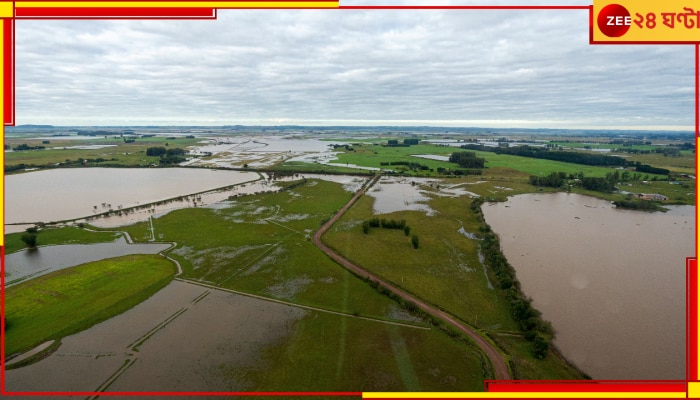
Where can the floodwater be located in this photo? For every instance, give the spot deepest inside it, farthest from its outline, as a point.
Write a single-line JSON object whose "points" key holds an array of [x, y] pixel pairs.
{"points": [[184, 338], [260, 150], [81, 192], [392, 194], [218, 198], [26, 264], [612, 282]]}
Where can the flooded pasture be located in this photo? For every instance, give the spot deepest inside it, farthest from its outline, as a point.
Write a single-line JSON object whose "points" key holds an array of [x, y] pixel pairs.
{"points": [[392, 194], [27, 264], [54, 195], [184, 338], [612, 282]]}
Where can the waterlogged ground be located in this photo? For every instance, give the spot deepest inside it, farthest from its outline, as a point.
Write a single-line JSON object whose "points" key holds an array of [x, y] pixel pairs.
{"points": [[183, 338], [193, 338]]}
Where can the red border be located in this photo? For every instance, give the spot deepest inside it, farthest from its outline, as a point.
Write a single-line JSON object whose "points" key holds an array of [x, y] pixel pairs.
{"points": [[114, 13], [692, 320], [491, 386]]}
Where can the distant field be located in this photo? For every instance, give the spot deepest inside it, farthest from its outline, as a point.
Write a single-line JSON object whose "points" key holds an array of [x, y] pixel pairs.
{"points": [[131, 154], [71, 300]]}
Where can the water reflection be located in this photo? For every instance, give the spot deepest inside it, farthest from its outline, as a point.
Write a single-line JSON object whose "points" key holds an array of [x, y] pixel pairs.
{"points": [[26, 264]]}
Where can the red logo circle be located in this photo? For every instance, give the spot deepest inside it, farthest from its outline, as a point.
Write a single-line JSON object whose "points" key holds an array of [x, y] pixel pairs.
{"points": [[614, 20]]}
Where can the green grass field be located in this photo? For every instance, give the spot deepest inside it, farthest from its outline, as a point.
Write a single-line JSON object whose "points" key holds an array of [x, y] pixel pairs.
{"points": [[374, 155], [65, 235], [71, 300], [358, 355]]}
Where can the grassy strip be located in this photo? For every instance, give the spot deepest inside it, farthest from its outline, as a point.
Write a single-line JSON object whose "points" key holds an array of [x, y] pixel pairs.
{"points": [[66, 235], [36, 357], [71, 300]]}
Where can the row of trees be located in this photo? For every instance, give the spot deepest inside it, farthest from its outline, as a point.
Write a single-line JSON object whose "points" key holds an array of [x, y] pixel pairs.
{"points": [[605, 185], [572, 157], [535, 329], [167, 156], [467, 159], [390, 224]]}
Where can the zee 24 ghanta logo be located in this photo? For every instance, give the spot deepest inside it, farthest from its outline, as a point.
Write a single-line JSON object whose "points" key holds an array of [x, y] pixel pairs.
{"points": [[615, 20]]}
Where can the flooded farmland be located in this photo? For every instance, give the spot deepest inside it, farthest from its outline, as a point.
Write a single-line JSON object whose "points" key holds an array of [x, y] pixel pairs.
{"points": [[612, 282], [186, 337], [80, 192]]}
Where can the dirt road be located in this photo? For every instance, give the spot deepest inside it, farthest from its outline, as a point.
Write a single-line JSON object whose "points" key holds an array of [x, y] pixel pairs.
{"points": [[499, 364]]}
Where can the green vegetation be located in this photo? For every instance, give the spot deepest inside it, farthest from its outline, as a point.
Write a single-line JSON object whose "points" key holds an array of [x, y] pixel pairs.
{"points": [[357, 355], [529, 320], [71, 300], [29, 239], [467, 159], [261, 245], [65, 235], [60, 154], [636, 204]]}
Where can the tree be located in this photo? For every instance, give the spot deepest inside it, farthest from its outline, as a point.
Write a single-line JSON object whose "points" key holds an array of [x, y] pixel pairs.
{"points": [[155, 151], [540, 347], [29, 239], [414, 241]]}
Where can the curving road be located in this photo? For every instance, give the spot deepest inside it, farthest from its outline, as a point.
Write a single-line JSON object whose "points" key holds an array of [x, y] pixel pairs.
{"points": [[499, 365]]}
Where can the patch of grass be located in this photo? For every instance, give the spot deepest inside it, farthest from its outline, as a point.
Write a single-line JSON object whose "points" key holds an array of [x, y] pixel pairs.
{"points": [[65, 235], [71, 300], [361, 355], [524, 366]]}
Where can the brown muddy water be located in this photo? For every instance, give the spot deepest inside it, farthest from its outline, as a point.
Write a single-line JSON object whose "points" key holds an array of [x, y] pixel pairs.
{"points": [[54, 195], [184, 338], [612, 282]]}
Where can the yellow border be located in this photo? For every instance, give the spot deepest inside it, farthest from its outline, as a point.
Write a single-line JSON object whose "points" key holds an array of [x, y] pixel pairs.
{"points": [[526, 395], [179, 4]]}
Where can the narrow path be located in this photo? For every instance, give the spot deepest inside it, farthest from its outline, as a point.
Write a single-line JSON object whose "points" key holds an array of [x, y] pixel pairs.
{"points": [[499, 365]]}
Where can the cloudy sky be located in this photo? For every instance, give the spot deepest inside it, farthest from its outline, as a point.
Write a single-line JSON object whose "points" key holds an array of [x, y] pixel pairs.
{"points": [[489, 68]]}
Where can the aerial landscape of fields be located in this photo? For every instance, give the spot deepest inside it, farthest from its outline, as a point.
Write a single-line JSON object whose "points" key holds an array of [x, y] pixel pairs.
{"points": [[227, 228], [315, 202]]}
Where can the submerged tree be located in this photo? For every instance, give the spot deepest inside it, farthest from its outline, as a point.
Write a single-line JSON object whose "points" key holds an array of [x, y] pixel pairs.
{"points": [[29, 239]]}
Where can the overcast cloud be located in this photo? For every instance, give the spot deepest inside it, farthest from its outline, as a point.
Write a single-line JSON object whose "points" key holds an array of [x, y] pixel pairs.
{"points": [[498, 68]]}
